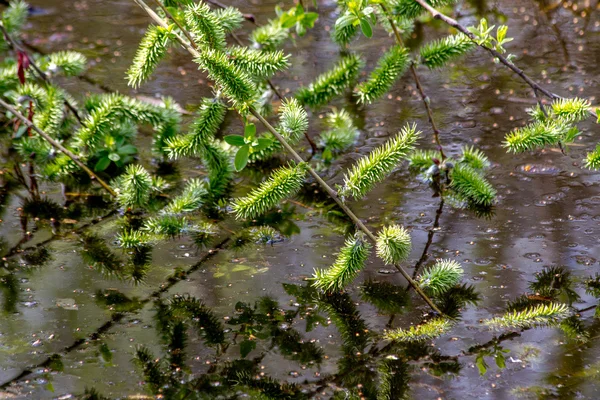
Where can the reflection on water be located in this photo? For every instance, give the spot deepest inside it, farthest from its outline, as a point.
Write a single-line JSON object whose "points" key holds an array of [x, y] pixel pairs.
{"points": [[236, 315]]}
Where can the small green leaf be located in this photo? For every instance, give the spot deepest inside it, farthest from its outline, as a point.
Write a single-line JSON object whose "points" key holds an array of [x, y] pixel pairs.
{"points": [[102, 164], [287, 21], [500, 361], [241, 158], [365, 26], [114, 157], [344, 21], [127, 149], [235, 140], [481, 365], [21, 131], [250, 131], [246, 347], [262, 144]]}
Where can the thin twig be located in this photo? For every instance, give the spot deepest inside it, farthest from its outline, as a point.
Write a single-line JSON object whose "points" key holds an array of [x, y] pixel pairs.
{"points": [[537, 89], [424, 97], [12, 43], [298, 158], [58, 146]]}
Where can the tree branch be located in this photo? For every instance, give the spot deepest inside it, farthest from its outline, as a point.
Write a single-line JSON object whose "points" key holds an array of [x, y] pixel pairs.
{"points": [[332, 193], [537, 89]]}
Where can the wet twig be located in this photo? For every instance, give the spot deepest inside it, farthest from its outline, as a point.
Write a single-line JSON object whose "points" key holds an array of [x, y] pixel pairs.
{"points": [[537, 89]]}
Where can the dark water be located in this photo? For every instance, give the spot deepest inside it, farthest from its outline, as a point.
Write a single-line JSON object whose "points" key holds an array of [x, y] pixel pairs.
{"points": [[548, 215]]}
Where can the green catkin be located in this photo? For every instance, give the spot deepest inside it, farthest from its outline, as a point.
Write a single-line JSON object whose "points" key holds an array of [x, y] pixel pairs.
{"points": [[375, 167], [51, 116], [439, 52], [258, 63], [344, 35], [230, 19], [349, 262], [15, 16], [535, 135], [429, 330], [189, 200], [269, 37], [474, 158], [235, 83], [293, 120], [393, 244], [390, 67], [469, 184], [133, 187], [441, 277], [332, 83], [210, 116], [571, 110], [70, 63], [341, 135], [283, 183], [205, 25], [592, 160], [420, 160], [151, 51], [534, 316]]}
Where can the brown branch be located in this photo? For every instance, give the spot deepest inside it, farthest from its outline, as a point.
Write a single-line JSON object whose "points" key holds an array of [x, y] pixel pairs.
{"points": [[332, 193], [12, 43], [537, 89], [58, 146]]}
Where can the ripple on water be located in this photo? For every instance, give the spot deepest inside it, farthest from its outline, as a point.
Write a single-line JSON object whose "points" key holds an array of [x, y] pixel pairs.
{"points": [[538, 169]]}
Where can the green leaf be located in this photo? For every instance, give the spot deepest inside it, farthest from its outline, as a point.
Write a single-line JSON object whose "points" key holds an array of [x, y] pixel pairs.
{"points": [[365, 26], [114, 157], [262, 144], [345, 21], [246, 347], [127, 149], [102, 164], [500, 361], [481, 365], [241, 158], [287, 21], [21, 131], [235, 140], [250, 131]]}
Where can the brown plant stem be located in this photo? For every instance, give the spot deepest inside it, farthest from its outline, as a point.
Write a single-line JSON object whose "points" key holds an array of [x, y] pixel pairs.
{"points": [[299, 159], [12, 43], [537, 89], [58, 146], [426, 100]]}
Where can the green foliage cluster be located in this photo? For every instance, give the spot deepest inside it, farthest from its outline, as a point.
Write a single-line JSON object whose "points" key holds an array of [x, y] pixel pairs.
{"points": [[283, 183], [393, 244], [349, 262], [375, 167]]}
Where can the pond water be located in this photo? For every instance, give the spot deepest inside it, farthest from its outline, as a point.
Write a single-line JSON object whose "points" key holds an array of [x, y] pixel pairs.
{"points": [[548, 215]]}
